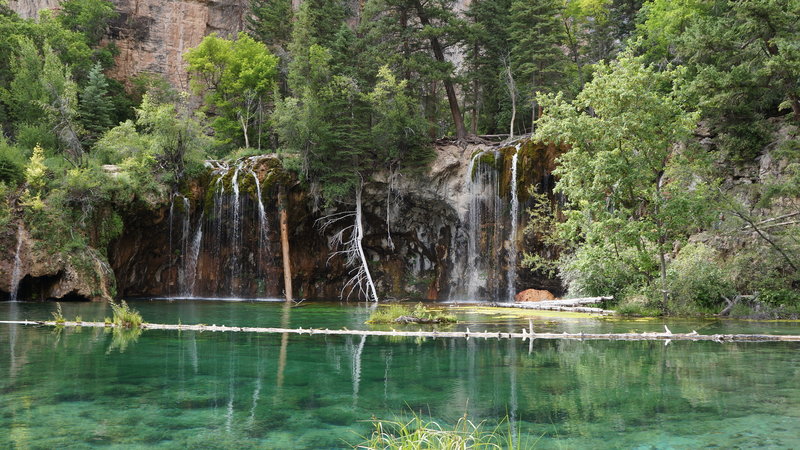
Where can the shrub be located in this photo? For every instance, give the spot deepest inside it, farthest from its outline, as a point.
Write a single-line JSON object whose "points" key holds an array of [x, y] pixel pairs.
{"points": [[125, 316], [594, 270], [12, 163], [58, 315], [696, 278]]}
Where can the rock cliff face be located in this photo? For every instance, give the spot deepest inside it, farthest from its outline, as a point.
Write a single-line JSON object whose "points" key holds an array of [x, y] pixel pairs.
{"points": [[40, 274], [214, 240], [153, 35], [220, 236]]}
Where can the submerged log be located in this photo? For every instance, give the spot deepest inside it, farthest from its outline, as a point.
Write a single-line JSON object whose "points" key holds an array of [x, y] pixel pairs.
{"points": [[524, 334]]}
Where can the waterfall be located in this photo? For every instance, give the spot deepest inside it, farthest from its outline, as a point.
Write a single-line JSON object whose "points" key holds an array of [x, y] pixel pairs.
{"points": [[14, 285], [491, 226], [471, 275], [190, 261], [511, 275], [263, 225], [223, 236], [237, 231]]}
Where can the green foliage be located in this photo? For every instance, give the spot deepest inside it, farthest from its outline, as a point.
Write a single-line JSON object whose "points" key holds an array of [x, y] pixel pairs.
{"points": [[697, 278], [418, 433], [58, 315], [742, 59], [624, 179], [96, 108], [398, 129], [402, 313], [237, 78], [125, 316], [90, 18], [12, 163], [36, 172], [271, 21], [536, 34]]}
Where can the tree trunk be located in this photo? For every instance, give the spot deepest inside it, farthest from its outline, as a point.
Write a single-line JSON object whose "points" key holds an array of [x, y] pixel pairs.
{"points": [[455, 111], [283, 204], [512, 92], [664, 292], [360, 235]]}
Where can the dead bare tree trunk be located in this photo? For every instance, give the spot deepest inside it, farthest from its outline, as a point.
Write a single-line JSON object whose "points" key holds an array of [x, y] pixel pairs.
{"points": [[283, 204], [512, 92], [349, 240]]}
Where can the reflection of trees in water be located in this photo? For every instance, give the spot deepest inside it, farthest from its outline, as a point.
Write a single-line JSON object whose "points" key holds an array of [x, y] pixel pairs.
{"points": [[252, 384]]}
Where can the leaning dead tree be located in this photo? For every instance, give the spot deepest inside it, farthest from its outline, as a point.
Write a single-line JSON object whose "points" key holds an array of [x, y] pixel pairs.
{"points": [[347, 241]]}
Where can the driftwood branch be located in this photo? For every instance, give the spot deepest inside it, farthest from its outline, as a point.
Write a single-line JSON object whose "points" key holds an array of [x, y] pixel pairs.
{"points": [[524, 334]]}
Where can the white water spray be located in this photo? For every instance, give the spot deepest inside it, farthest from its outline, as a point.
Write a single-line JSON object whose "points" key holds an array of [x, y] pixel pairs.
{"points": [[511, 274], [15, 273]]}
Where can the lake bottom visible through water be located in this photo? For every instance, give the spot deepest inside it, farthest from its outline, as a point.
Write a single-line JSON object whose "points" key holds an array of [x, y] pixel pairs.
{"points": [[76, 387]]}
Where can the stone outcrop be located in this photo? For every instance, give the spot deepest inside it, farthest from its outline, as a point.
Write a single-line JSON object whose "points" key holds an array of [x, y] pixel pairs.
{"points": [[534, 295], [44, 274], [153, 35]]}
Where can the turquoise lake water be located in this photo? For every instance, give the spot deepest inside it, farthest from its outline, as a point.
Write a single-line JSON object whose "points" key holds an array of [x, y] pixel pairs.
{"points": [[84, 387]]}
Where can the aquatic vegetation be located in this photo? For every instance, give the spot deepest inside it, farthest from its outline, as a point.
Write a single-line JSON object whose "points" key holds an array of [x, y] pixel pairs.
{"points": [[418, 433], [58, 315], [398, 313], [125, 316]]}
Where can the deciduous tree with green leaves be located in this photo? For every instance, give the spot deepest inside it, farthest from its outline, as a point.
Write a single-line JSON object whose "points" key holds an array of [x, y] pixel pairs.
{"points": [[237, 78], [632, 189]]}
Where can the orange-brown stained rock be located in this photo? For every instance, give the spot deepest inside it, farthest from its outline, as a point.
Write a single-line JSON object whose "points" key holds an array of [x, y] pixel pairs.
{"points": [[534, 295]]}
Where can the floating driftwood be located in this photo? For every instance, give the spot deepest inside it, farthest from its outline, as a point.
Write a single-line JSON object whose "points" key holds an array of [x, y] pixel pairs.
{"points": [[524, 334], [567, 305]]}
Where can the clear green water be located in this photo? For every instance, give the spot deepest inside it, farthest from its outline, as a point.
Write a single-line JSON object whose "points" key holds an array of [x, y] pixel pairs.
{"points": [[76, 388]]}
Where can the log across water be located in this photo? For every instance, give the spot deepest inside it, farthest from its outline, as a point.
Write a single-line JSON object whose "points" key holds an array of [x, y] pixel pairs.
{"points": [[524, 334]]}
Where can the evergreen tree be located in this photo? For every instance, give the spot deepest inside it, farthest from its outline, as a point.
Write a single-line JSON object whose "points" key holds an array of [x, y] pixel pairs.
{"points": [[414, 38], [95, 108], [537, 60], [487, 49], [271, 22]]}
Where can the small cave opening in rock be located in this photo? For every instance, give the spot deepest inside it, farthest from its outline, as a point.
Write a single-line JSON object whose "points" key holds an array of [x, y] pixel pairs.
{"points": [[40, 289]]}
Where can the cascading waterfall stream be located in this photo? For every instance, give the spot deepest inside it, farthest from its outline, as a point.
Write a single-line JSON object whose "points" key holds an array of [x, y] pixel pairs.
{"points": [[491, 225], [224, 239], [190, 263], [237, 231], [263, 224], [511, 274], [15, 272], [471, 274]]}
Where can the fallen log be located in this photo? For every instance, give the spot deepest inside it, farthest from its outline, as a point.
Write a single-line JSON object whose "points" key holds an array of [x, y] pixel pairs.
{"points": [[524, 334]]}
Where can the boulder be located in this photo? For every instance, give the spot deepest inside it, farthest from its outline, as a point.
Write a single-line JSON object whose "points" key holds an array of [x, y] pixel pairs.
{"points": [[534, 295]]}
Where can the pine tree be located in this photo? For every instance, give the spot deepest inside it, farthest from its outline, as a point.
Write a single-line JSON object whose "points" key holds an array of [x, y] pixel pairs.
{"points": [[537, 60], [95, 109], [271, 22], [414, 38], [487, 46]]}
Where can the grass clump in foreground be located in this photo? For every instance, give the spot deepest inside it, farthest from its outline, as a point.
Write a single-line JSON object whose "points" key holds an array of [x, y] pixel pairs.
{"points": [[125, 316], [405, 314], [58, 315], [419, 433]]}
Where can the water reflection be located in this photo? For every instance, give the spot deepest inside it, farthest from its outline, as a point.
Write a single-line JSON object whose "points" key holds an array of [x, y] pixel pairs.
{"points": [[247, 390]]}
